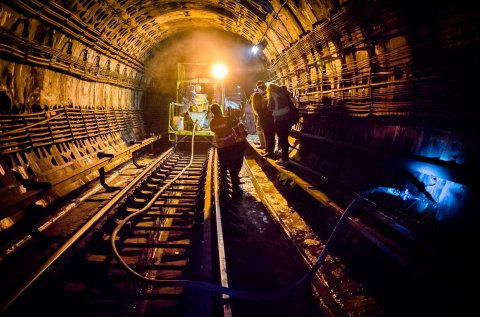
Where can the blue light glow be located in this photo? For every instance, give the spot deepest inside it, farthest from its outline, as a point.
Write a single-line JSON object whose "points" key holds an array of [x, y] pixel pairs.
{"points": [[440, 197]]}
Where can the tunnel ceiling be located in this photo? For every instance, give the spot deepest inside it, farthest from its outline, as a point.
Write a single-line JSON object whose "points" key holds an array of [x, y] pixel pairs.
{"points": [[137, 27], [350, 54]]}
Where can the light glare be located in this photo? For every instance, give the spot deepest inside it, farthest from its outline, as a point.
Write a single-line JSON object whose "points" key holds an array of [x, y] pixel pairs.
{"points": [[219, 71]]}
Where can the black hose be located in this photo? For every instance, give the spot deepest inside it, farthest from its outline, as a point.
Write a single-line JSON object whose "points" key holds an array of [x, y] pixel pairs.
{"points": [[265, 296]]}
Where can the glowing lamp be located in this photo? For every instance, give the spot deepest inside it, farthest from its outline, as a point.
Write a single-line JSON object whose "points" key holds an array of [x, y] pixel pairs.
{"points": [[219, 71]]}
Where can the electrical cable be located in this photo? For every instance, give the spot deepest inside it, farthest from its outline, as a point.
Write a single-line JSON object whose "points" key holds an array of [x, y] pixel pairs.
{"points": [[249, 295]]}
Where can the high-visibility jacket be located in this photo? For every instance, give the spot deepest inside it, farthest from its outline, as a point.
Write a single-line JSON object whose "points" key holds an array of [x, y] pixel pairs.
{"points": [[225, 131]]}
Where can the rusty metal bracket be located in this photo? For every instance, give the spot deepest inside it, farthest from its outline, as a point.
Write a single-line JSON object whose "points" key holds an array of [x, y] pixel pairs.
{"points": [[31, 184], [101, 155], [104, 184], [134, 155], [134, 160]]}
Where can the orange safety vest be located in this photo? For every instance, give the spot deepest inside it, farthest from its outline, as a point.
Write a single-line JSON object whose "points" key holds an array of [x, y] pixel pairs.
{"points": [[224, 134]]}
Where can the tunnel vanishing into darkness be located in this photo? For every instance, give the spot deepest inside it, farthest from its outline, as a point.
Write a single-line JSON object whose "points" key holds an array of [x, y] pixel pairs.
{"points": [[387, 90]]}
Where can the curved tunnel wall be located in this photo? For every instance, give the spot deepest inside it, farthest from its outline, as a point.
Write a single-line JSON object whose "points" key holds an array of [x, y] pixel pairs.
{"points": [[389, 99], [386, 88], [78, 101]]}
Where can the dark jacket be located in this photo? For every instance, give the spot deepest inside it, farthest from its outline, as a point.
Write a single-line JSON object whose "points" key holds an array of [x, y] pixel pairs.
{"points": [[259, 105], [228, 131], [279, 102]]}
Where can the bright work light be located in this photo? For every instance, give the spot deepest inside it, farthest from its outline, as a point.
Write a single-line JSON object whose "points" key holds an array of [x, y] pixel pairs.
{"points": [[219, 71]]}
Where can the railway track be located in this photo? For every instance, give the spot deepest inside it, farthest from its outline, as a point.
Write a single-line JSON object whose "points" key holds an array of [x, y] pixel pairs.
{"points": [[151, 229], [155, 247]]}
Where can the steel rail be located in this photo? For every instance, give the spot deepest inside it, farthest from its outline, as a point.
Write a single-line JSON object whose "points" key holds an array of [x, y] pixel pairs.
{"points": [[70, 242], [227, 312]]}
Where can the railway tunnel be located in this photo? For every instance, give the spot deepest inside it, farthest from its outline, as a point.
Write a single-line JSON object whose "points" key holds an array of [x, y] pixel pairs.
{"points": [[386, 92]]}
